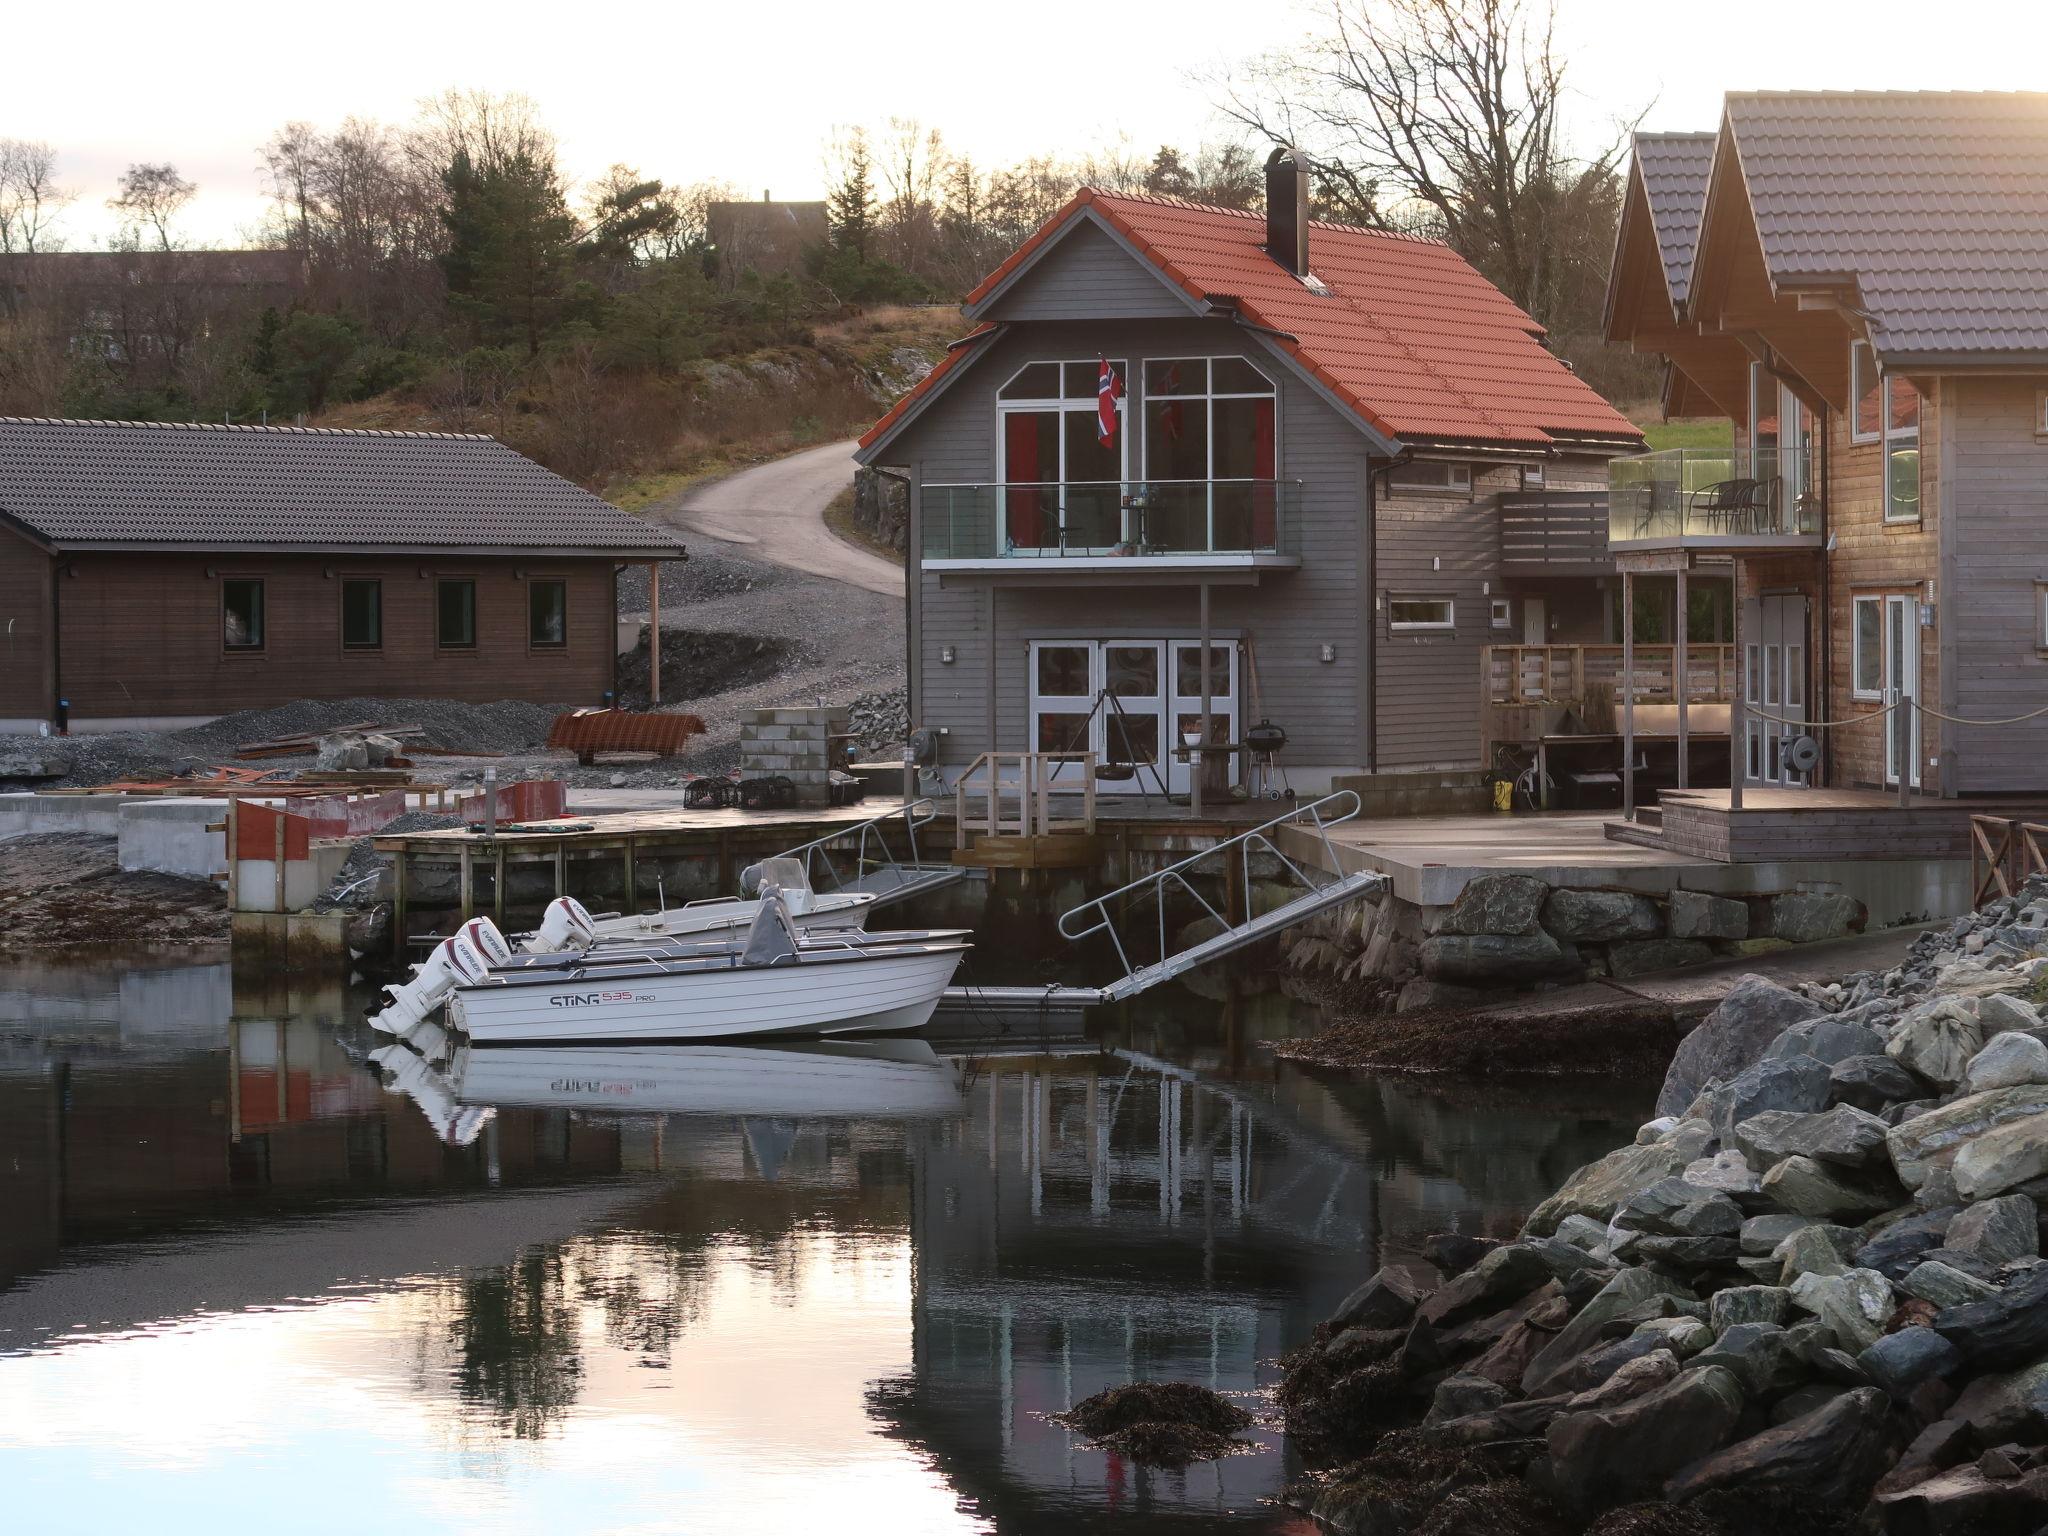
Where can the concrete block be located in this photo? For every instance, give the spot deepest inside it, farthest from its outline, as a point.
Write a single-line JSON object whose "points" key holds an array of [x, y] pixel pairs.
{"points": [[168, 834], [27, 812]]}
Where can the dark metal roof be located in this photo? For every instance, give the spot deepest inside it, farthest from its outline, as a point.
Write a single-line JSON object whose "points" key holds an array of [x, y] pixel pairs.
{"points": [[160, 485], [1674, 169], [1934, 203]]}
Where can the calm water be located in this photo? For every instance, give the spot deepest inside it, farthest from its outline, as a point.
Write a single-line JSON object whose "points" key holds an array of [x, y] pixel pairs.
{"points": [[247, 1277]]}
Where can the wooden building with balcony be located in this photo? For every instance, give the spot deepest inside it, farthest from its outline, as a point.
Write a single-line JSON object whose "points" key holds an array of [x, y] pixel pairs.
{"points": [[1858, 281], [1335, 462]]}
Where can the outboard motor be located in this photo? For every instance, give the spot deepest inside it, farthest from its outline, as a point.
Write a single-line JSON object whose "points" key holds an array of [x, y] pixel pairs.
{"points": [[566, 924], [455, 962], [490, 943]]}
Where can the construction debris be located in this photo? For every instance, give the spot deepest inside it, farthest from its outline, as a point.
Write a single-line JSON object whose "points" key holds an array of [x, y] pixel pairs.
{"points": [[588, 732]]}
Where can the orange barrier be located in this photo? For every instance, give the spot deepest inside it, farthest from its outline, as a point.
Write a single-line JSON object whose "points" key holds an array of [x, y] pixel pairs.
{"points": [[589, 732]]}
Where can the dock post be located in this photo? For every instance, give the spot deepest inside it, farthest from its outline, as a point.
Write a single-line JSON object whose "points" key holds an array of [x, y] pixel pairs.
{"points": [[498, 891], [468, 883], [632, 903], [1628, 695], [1681, 679], [1902, 733], [561, 869], [399, 871]]}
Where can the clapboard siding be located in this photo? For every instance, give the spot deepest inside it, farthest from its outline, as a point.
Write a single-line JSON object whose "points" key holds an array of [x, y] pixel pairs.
{"points": [[1998, 497], [1088, 276], [1435, 545], [24, 629], [1284, 621]]}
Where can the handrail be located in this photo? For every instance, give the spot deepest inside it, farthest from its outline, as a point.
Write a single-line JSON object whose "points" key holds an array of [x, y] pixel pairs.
{"points": [[868, 836], [1244, 843], [1034, 793]]}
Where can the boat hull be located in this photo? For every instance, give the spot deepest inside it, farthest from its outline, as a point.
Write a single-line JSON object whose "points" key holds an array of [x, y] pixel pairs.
{"points": [[865, 990]]}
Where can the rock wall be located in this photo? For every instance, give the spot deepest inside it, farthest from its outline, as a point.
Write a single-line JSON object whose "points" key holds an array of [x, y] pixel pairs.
{"points": [[881, 508]]}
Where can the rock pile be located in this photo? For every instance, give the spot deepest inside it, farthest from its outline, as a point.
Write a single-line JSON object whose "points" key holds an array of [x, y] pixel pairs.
{"points": [[1814, 1283], [880, 718]]}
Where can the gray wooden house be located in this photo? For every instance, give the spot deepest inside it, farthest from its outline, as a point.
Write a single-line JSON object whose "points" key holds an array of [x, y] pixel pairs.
{"points": [[1344, 451]]}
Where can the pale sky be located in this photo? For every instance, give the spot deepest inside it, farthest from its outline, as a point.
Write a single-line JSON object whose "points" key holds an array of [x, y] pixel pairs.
{"points": [[751, 92]]}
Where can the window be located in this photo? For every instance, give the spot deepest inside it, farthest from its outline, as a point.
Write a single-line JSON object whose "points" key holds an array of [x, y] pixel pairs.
{"points": [[455, 613], [241, 613], [547, 614], [1901, 451], [2041, 615], [1532, 477], [1868, 664], [1425, 475], [1062, 483], [1413, 613], [1865, 386], [1209, 455], [1501, 613], [362, 615]]}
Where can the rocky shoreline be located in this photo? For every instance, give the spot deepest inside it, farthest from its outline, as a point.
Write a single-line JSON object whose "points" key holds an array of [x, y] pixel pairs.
{"points": [[1810, 1296]]}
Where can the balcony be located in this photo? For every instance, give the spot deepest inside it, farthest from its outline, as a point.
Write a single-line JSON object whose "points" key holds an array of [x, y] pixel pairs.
{"points": [[1699, 499], [1129, 527], [1554, 533]]}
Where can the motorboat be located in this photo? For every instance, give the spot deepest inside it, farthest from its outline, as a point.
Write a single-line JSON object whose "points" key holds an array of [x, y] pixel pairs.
{"points": [[411, 1067], [568, 925], [770, 981]]}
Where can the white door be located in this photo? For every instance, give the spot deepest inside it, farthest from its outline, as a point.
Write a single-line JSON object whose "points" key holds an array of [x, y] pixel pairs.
{"points": [[1533, 630], [1902, 673], [1186, 711], [1774, 653], [1149, 694]]}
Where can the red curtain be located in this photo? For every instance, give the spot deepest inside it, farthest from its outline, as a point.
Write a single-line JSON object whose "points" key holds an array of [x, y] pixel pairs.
{"points": [[1024, 516], [1265, 519]]}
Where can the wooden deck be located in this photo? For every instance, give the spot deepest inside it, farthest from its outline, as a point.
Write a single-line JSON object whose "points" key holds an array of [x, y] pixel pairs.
{"points": [[1775, 825]]}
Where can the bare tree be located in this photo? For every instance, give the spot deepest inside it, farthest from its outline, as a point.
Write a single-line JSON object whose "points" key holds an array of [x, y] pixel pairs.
{"points": [[30, 198], [151, 197], [1447, 117]]}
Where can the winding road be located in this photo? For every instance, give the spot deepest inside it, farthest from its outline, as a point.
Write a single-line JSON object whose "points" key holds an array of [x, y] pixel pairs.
{"points": [[775, 512]]}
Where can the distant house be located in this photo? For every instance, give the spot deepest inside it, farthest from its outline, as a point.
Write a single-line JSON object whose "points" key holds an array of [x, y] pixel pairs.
{"points": [[767, 237], [127, 305], [1335, 444], [154, 574], [1858, 282]]}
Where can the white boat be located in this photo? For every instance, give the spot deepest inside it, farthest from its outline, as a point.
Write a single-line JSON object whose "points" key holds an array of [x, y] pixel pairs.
{"points": [[817, 1079], [568, 924], [777, 982]]}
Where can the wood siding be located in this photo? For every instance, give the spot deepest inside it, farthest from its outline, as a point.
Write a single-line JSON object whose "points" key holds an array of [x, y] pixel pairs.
{"points": [[24, 629], [142, 634], [1088, 276]]}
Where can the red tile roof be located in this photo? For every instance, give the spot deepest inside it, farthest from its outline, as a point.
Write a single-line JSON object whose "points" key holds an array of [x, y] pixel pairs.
{"points": [[1408, 335]]}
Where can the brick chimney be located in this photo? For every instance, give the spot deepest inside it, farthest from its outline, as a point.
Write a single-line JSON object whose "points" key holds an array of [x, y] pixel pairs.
{"points": [[1287, 208]]}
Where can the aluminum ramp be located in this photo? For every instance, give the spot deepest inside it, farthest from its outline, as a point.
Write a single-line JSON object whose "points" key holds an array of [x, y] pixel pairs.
{"points": [[1240, 926]]}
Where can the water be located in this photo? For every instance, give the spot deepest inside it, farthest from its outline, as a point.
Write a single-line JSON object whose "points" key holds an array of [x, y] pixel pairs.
{"points": [[242, 1280]]}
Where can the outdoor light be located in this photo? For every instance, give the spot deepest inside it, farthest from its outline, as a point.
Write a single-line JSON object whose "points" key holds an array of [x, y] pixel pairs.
{"points": [[1328, 652], [946, 654]]}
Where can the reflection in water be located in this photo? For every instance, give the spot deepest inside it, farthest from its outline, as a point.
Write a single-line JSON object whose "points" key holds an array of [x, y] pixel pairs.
{"points": [[772, 1286]]}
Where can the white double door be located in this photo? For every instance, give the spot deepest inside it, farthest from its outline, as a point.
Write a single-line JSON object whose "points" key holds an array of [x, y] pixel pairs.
{"points": [[1131, 702], [1774, 653]]}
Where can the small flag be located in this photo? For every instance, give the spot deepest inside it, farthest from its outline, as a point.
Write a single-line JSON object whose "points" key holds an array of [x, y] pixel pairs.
{"points": [[1107, 389]]}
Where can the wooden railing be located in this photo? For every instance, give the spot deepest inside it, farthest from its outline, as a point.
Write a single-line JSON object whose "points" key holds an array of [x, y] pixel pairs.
{"points": [[2003, 853], [1029, 779], [1524, 690], [1554, 533]]}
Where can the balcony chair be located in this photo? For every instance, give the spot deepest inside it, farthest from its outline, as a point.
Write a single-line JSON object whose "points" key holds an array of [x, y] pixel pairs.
{"points": [[1733, 506]]}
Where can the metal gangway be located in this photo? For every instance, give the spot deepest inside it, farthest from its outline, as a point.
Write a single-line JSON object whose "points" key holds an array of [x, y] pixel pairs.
{"points": [[867, 862], [1121, 914]]}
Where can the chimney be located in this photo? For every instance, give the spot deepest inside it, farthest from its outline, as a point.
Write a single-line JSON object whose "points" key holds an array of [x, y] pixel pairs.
{"points": [[764, 194], [1287, 208]]}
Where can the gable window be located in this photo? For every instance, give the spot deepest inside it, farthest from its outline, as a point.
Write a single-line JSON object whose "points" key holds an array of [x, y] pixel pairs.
{"points": [[1408, 614], [1865, 387], [362, 615], [241, 613], [455, 613], [1901, 450], [1209, 455], [1062, 485], [1429, 475], [547, 615], [1867, 663]]}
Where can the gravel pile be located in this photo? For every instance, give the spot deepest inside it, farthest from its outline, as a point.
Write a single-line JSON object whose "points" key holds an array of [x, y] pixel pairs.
{"points": [[881, 719], [509, 725]]}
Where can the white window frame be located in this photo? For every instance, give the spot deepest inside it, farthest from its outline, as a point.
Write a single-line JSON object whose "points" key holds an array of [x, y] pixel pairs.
{"points": [[1501, 613], [1892, 436], [1060, 405], [1532, 477], [1207, 398], [1856, 649], [1864, 350], [1457, 478], [2041, 615], [1441, 626]]}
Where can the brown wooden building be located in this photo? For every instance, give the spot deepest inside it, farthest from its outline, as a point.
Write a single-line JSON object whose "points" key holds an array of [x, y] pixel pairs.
{"points": [[156, 574]]}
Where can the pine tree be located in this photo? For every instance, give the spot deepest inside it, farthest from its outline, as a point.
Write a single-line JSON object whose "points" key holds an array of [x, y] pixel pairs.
{"points": [[850, 206]]}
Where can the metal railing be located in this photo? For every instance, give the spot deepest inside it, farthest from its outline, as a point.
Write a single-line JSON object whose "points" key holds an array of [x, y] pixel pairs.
{"points": [[1707, 493], [870, 852], [1231, 859], [1141, 518]]}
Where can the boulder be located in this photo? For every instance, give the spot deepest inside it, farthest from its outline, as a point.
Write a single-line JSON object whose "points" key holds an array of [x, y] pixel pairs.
{"points": [[1679, 1208], [2012, 1325], [1829, 1038], [1944, 1284], [1598, 1189], [1646, 957], [1683, 1255], [1739, 1304], [1828, 1458], [1644, 1374], [1854, 1304], [2008, 1060], [1696, 915], [1936, 1040], [1683, 1336], [1726, 1172], [1454, 1252], [1497, 904], [1821, 1249], [1905, 1242], [2009, 1154], [2000, 1012], [1629, 1288], [1582, 1232], [1807, 917], [1599, 917], [343, 751], [1795, 1083], [2005, 1404], [1762, 1234], [1493, 959], [1609, 1456], [32, 763], [1872, 1081], [1996, 1231], [1899, 1362], [1387, 1300], [1504, 1275], [1814, 1189], [1759, 1355], [1932, 1139], [1460, 1394], [1844, 1137], [1753, 1014], [1964, 1502]]}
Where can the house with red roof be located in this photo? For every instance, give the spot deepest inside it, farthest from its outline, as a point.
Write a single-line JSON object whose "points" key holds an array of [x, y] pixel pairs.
{"points": [[1179, 431]]}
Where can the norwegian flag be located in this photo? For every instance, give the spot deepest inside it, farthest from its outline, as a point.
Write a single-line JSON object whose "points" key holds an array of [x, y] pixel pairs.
{"points": [[1107, 390]]}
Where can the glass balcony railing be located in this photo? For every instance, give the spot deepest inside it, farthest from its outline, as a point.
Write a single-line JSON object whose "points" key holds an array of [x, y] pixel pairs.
{"points": [[1100, 518], [1683, 493]]}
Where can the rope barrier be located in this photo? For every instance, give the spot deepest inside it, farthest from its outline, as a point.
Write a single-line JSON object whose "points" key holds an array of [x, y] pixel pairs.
{"points": [[1883, 710]]}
